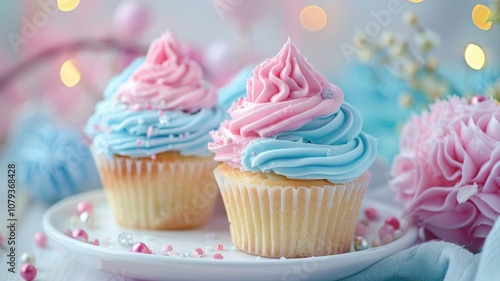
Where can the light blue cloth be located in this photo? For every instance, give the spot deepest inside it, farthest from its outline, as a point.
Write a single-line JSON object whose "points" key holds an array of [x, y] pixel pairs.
{"points": [[439, 261]]}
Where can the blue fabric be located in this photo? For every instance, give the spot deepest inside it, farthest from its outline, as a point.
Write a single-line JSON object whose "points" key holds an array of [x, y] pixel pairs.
{"points": [[439, 261]]}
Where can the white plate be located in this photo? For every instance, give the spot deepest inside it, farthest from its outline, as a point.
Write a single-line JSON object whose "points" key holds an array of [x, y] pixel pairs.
{"points": [[236, 265]]}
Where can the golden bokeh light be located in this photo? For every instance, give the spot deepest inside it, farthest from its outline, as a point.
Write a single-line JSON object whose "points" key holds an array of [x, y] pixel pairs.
{"points": [[474, 56], [70, 73], [415, 1], [67, 5], [480, 15], [313, 18]]}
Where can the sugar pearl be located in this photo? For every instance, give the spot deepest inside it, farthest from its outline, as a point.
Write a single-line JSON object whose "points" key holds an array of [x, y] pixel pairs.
{"points": [[199, 251], [140, 248], [28, 272], [371, 213], [40, 239], [166, 248], [220, 247], [386, 229], [84, 206], [392, 221], [360, 244], [96, 242], [125, 239], [218, 256], [80, 235], [27, 258]]}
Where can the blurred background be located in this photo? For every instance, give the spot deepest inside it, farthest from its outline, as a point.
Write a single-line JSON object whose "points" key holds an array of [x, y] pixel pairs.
{"points": [[391, 57]]}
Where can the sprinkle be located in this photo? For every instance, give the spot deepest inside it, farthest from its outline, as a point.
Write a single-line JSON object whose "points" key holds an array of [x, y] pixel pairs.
{"points": [[140, 248], [28, 272], [150, 132], [125, 239], [96, 242], [328, 94], [153, 157], [166, 248], [40, 239], [80, 235], [195, 254], [140, 121], [138, 142], [371, 213], [220, 247], [84, 206], [330, 152], [398, 234], [86, 218], [218, 256], [258, 258], [282, 258], [360, 244], [199, 251], [392, 221], [27, 258], [148, 106]]}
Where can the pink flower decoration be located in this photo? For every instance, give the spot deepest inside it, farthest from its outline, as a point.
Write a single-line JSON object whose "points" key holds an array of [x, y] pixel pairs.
{"points": [[448, 170]]}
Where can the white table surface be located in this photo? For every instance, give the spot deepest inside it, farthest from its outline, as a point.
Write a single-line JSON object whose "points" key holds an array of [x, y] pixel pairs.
{"points": [[53, 265]]}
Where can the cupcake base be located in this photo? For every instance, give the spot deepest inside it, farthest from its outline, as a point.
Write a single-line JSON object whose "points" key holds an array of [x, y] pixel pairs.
{"points": [[273, 216], [170, 192]]}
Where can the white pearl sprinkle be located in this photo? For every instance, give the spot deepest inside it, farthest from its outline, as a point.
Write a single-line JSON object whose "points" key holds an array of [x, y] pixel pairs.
{"points": [[28, 258]]}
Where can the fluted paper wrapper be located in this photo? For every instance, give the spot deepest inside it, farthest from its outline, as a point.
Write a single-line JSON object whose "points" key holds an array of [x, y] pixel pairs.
{"points": [[292, 222], [158, 194]]}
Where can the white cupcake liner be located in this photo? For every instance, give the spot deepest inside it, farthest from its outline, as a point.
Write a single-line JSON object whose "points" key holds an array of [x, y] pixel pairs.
{"points": [[155, 194], [291, 222]]}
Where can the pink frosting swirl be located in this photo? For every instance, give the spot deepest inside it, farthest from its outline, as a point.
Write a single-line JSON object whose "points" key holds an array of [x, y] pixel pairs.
{"points": [[448, 170], [284, 93], [167, 81]]}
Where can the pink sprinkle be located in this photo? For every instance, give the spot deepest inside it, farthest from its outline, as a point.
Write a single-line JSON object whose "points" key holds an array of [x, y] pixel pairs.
{"points": [[360, 229], [166, 248], [195, 255], [386, 229], [371, 213], [477, 99], [40, 239], [84, 206], [392, 221], [218, 256], [1, 239], [28, 272], [135, 107], [160, 113], [96, 242], [220, 142], [148, 106], [153, 157], [80, 235], [140, 248], [220, 247], [150, 132], [138, 142], [199, 251]]}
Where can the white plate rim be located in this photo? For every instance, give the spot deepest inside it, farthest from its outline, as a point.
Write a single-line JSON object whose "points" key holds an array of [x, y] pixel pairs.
{"points": [[98, 252]]}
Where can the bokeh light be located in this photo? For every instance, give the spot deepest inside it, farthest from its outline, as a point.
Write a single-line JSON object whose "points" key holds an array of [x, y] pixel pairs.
{"points": [[70, 73], [313, 18], [415, 1], [67, 5], [474, 56], [480, 15]]}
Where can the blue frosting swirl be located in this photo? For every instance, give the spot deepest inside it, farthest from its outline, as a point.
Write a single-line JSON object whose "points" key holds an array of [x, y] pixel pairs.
{"points": [[329, 147], [117, 129], [235, 89]]}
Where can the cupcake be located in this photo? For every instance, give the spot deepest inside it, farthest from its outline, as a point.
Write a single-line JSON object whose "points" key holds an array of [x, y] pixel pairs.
{"points": [[294, 162], [149, 141]]}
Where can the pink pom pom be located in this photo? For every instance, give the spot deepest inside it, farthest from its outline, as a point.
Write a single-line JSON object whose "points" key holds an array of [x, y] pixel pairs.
{"points": [[447, 167]]}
